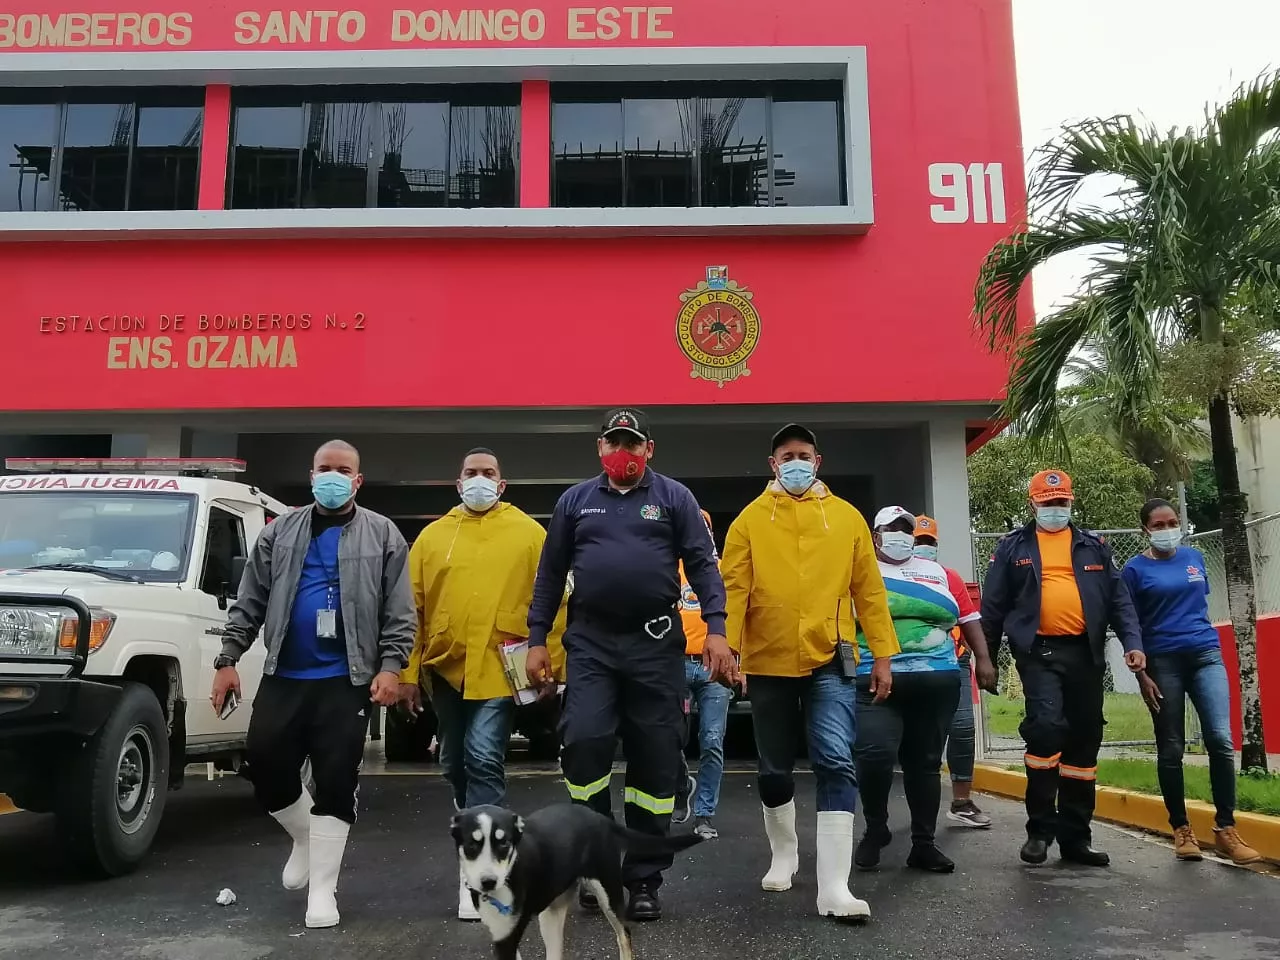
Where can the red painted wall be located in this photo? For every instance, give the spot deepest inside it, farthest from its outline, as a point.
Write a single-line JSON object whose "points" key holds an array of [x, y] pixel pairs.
{"points": [[1268, 678], [481, 323], [880, 318], [203, 25]]}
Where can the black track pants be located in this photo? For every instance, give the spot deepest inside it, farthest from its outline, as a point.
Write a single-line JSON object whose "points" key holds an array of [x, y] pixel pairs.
{"points": [[326, 720]]}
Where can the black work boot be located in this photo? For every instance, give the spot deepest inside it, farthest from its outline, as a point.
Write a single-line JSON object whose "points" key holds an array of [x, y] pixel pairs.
{"points": [[644, 903], [1083, 854], [1035, 850], [874, 839], [926, 856]]}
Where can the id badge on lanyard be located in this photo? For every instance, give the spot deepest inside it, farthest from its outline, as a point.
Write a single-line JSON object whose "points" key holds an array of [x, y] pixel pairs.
{"points": [[327, 619]]}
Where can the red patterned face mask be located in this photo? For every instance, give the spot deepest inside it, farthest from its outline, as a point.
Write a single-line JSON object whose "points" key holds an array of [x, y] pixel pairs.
{"points": [[623, 466]]}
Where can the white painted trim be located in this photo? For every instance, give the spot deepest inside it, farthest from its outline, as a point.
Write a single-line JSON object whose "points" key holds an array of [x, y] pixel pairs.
{"points": [[857, 137], [426, 65], [848, 64], [509, 222]]}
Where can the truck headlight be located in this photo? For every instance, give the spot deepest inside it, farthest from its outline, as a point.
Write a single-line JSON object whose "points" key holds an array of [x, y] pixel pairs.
{"points": [[45, 631]]}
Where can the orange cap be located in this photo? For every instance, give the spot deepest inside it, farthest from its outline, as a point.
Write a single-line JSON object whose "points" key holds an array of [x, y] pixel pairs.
{"points": [[1050, 485], [926, 527]]}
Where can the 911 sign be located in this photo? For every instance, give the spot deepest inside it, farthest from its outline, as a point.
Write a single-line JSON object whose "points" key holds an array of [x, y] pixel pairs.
{"points": [[975, 193]]}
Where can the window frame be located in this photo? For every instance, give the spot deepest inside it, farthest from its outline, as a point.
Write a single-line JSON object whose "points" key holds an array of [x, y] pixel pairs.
{"points": [[238, 550], [60, 98], [771, 91], [376, 97]]}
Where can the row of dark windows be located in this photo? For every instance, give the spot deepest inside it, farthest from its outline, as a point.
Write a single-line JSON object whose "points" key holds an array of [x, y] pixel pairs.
{"points": [[697, 145], [392, 147], [632, 145], [111, 151]]}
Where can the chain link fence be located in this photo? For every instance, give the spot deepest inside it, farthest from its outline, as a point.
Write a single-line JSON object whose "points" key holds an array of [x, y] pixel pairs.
{"points": [[1128, 724]]}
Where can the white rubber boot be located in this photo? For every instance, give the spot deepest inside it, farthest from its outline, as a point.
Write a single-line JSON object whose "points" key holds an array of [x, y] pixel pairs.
{"points": [[328, 843], [835, 855], [296, 820], [466, 909], [780, 828]]}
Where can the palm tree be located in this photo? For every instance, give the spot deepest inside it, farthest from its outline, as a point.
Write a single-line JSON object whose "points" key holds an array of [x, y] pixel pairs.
{"points": [[1190, 239], [1165, 434]]}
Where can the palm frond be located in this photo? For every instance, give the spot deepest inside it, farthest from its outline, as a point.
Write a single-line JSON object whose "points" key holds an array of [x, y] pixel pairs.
{"points": [[1008, 265], [1250, 113]]}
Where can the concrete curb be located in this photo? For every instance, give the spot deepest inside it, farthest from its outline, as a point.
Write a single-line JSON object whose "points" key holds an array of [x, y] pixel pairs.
{"points": [[1144, 811]]}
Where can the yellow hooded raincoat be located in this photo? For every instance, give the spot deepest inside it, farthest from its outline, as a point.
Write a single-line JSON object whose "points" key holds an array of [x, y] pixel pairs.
{"points": [[472, 577], [789, 564]]}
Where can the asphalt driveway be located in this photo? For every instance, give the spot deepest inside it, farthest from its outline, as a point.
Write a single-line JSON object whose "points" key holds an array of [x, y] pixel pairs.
{"points": [[398, 893]]}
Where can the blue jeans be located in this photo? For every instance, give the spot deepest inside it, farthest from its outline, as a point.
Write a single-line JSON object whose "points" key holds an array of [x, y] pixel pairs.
{"points": [[473, 737], [821, 706], [1200, 675], [961, 738], [713, 715]]}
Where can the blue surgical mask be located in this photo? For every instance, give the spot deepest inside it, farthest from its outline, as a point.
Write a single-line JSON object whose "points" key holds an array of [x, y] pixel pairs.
{"points": [[1053, 519], [1166, 541], [926, 552], [896, 545], [332, 489], [479, 493], [796, 476]]}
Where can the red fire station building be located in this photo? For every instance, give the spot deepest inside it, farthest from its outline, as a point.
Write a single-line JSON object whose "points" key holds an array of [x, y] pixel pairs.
{"points": [[232, 230]]}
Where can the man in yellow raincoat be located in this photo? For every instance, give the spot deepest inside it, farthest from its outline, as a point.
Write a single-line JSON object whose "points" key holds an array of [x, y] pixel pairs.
{"points": [[798, 562], [472, 573]]}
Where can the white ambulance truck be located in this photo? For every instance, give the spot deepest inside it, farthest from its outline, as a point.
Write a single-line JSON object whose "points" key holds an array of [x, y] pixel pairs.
{"points": [[115, 578]]}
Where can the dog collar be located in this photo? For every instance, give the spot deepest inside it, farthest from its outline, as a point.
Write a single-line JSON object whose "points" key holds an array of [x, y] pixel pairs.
{"points": [[505, 909]]}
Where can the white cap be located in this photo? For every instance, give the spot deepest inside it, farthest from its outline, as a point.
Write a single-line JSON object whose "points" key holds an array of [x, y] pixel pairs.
{"points": [[889, 514]]}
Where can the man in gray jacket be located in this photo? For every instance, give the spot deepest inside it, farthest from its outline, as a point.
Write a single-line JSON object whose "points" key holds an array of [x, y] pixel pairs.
{"points": [[329, 588]]}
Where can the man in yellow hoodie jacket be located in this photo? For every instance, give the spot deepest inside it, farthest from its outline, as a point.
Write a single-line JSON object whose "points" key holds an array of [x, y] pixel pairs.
{"points": [[472, 573], [798, 562]]}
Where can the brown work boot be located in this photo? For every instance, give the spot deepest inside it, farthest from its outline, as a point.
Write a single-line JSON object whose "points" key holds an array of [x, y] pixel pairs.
{"points": [[1230, 845], [1185, 844]]}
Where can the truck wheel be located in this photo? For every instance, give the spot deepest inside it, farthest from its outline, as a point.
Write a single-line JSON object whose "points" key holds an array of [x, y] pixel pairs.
{"points": [[114, 788]]}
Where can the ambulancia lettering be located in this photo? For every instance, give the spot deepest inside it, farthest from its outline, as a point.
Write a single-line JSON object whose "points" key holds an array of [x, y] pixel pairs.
{"points": [[88, 483]]}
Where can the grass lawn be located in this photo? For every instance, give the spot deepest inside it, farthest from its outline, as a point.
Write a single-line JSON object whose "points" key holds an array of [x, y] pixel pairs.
{"points": [[1126, 715], [1255, 794]]}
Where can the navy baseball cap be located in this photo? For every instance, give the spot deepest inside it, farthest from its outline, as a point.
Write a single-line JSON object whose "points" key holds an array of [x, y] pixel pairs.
{"points": [[792, 431], [626, 420]]}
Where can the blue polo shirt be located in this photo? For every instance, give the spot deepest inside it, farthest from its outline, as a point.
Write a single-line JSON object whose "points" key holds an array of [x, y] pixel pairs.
{"points": [[625, 550], [1172, 599], [304, 655]]}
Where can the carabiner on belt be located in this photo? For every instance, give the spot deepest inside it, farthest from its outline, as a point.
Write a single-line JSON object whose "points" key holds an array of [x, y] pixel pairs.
{"points": [[651, 628]]}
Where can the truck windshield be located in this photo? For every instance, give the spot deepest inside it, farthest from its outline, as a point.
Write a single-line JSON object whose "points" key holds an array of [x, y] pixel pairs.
{"points": [[146, 537]]}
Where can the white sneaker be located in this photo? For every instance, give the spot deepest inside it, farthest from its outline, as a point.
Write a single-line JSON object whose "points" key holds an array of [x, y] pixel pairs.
{"points": [[466, 909], [296, 820], [835, 855], [780, 828], [328, 843]]}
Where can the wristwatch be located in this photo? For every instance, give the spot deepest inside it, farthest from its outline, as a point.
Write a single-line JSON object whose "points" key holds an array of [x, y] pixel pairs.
{"points": [[222, 660]]}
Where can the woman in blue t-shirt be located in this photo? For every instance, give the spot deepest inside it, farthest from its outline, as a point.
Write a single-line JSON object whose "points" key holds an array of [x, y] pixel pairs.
{"points": [[1170, 588]]}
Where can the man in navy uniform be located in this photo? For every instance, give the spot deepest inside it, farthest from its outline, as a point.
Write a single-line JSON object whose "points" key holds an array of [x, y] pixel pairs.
{"points": [[623, 536]]}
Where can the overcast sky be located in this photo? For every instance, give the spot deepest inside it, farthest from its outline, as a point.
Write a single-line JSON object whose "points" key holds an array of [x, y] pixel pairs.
{"points": [[1162, 59]]}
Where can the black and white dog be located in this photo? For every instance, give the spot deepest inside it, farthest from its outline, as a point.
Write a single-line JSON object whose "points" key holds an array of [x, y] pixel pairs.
{"points": [[519, 868]]}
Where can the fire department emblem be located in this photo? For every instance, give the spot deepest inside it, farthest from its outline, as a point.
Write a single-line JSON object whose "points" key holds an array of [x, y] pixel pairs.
{"points": [[718, 328]]}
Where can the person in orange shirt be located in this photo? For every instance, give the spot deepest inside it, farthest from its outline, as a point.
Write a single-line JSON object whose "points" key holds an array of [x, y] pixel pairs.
{"points": [[1053, 589], [700, 795]]}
